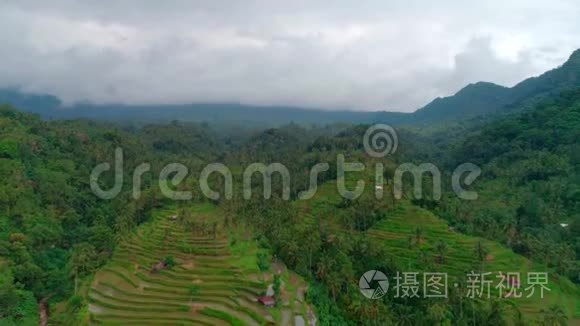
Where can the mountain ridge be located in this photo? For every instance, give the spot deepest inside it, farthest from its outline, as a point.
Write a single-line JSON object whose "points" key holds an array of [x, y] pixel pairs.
{"points": [[483, 98], [475, 99]]}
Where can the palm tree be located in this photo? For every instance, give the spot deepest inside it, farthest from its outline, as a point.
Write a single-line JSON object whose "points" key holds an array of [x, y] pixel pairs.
{"points": [[418, 235], [82, 260], [438, 313], [441, 248], [511, 231], [496, 313], [277, 283], [480, 252], [554, 315], [263, 263], [518, 316], [404, 316]]}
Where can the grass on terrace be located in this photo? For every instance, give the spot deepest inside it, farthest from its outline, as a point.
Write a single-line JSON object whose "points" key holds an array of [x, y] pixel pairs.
{"points": [[397, 234], [215, 279]]}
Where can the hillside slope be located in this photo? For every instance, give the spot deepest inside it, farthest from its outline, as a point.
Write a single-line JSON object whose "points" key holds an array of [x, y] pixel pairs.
{"points": [[487, 98], [215, 279], [398, 232]]}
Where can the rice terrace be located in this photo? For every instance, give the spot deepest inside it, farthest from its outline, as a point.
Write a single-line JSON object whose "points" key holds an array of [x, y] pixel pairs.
{"points": [[175, 272], [292, 163]]}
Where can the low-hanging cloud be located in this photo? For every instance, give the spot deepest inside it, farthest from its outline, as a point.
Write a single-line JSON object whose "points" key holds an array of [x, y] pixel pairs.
{"points": [[330, 54]]}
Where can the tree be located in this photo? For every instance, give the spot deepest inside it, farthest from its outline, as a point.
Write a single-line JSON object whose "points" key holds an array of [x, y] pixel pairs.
{"points": [[418, 235], [554, 316], [125, 221], [405, 316], [75, 302], [276, 287], [102, 237], [193, 289], [83, 260], [438, 313], [511, 230], [496, 313], [441, 248], [263, 261], [169, 261], [518, 316], [9, 298], [480, 252]]}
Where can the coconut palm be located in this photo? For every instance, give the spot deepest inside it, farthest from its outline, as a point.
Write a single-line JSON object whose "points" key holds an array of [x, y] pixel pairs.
{"points": [[480, 252], [496, 313], [441, 248], [554, 315], [418, 235], [438, 313]]}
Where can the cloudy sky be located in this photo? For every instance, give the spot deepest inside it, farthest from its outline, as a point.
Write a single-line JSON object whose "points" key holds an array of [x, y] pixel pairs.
{"points": [[364, 55]]}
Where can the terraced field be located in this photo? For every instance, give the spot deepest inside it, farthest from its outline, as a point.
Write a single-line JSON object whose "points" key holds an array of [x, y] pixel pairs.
{"points": [[460, 258], [208, 285], [397, 232]]}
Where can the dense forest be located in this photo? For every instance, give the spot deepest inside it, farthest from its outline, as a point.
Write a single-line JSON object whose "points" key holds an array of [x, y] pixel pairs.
{"points": [[55, 234], [52, 230], [292, 163], [530, 197]]}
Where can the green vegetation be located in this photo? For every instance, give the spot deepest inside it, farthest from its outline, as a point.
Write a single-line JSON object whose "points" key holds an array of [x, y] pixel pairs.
{"points": [[53, 232], [529, 198], [209, 288], [153, 260], [222, 315], [169, 261]]}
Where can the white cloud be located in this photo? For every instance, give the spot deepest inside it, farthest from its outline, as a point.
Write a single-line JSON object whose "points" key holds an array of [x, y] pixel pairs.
{"points": [[339, 54]]}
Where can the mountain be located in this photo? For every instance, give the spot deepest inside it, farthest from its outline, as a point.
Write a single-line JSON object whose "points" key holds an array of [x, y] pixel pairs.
{"points": [[29, 102], [472, 100], [478, 99], [487, 98], [50, 107], [534, 157]]}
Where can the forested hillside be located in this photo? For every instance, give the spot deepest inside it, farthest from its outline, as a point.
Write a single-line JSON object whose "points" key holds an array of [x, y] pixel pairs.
{"points": [[530, 191], [291, 163], [53, 229], [487, 98], [56, 235]]}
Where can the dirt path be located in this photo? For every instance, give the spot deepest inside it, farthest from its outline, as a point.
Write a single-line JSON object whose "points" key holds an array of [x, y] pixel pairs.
{"points": [[42, 312]]}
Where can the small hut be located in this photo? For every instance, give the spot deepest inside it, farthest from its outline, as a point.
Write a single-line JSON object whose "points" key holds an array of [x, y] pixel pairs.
{"points": [[267, 300]]}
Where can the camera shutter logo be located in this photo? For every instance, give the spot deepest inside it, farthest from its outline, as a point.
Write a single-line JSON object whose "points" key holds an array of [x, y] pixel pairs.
{"points": [[380, 140], [373, 284]]}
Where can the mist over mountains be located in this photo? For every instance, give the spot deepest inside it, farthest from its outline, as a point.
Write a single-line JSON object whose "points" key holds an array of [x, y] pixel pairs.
{"points": [[477, 99]]}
